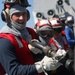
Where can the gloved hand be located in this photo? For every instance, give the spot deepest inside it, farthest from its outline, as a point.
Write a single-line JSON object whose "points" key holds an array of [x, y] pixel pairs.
{"points": [[39, 66], [60, 54], [34, 49], [47, 63], [50, 63]]}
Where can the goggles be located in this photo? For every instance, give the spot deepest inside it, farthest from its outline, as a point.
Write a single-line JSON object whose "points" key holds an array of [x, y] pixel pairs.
{"points": [[58, 30], [21, 2], [71, 22], [46, 33]]}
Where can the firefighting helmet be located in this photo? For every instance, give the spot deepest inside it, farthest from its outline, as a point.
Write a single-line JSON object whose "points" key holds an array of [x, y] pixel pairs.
{"points": [[69, 20], [57, 24], [43, 28]]}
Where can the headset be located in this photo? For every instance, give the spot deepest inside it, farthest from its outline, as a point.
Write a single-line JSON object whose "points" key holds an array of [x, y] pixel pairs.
{"points": [[5, 14], [23, 3], [6, 17]]}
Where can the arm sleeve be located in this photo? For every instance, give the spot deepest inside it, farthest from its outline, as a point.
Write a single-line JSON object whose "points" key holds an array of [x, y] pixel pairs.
{"points": [[69, 36], [10, 62]]}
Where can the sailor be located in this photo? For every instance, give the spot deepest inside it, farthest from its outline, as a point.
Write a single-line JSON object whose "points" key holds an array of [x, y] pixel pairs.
{"points": [[15, 56], [59, 43], [44, 31], [59, 37], [69, 31]]}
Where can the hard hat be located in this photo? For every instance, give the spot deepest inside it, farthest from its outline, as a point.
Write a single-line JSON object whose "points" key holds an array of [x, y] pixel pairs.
{"points": [[70, 20], [24, 3], [56, 22], [43, 27]]}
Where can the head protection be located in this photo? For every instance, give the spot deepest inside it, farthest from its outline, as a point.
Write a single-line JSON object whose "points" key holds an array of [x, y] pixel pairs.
{"points": [[23, 3], [56, 24], [70, 20], [43, 27], [7, 13]]}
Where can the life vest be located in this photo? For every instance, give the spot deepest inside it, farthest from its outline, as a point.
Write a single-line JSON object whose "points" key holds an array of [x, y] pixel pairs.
{"points": [[54, 44], [22, 51]]}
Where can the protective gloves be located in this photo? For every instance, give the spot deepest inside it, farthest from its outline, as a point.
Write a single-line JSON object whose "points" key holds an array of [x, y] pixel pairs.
{"points": [[50, 63], [60, 54], [39, 66], [37, 47], [34, 49], [47, 64]]}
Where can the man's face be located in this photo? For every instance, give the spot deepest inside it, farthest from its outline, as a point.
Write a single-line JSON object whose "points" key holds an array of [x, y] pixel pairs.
{"points": [[57, 32], [19, 17]]}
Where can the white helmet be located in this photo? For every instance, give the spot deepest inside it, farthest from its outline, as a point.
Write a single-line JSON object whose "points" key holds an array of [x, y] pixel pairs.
{"points": [[42, 27], [70, 20], [57, 24]]}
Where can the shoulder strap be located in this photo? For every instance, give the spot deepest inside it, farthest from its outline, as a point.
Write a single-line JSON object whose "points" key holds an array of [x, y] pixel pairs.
{"points": [[10, 37], [32, 33]]}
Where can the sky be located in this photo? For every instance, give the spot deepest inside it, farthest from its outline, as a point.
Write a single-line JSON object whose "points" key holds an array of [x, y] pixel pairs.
{"points": [[30, 23]]}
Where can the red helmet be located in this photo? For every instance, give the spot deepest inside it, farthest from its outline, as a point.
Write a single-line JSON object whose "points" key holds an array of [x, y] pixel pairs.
{"points": [[43, 26], [56, 23]]}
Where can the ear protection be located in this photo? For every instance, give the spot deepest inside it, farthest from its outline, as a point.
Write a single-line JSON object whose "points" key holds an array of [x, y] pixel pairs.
{"points": [[6, 17], [28, 15]]}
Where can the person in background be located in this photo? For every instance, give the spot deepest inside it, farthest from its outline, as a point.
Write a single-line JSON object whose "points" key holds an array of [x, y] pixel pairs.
{"points": [[70, 32], [15, 55], [44, 31], [59, 43], [59, 38]]}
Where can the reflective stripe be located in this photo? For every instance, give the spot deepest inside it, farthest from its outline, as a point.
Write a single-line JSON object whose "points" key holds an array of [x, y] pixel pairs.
{"points": [[57, 44], [53, 46], [64, 39], [19, 42]]}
